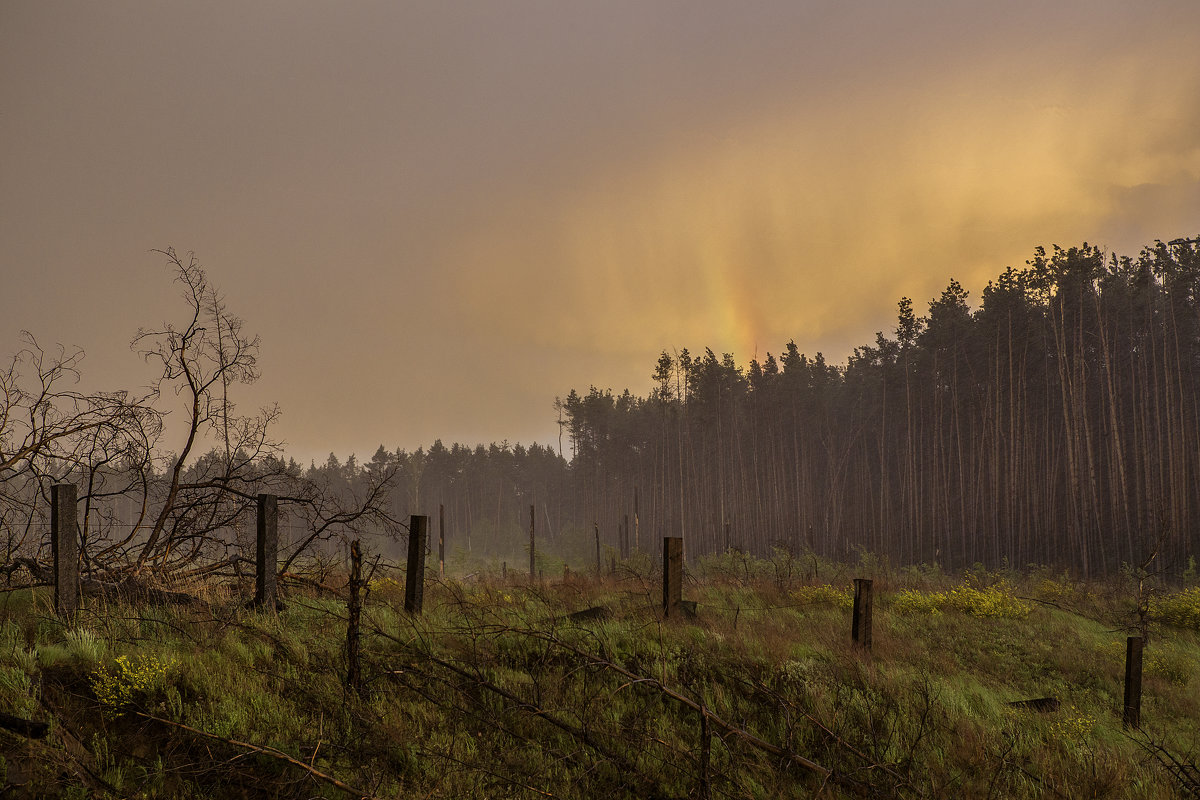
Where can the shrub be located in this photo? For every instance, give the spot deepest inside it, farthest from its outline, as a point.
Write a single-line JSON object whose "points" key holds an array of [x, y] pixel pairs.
{"points": [[129, 680], [913, 601], [1072, 726], [996, 600], [1181, 609], [386, 586], [1054, 590]]}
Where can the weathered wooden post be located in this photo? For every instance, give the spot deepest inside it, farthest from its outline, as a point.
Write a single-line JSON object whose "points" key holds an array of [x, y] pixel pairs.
{"points": [[267, 552], [597, 548], [442, 540], [532, 559], [354, 614], [414, 583], [672, 574], [862, 613], [64, 545], [1133, 682]]}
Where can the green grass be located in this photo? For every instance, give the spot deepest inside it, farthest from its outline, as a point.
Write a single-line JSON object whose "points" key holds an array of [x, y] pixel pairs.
{"points": [[494, 692]]}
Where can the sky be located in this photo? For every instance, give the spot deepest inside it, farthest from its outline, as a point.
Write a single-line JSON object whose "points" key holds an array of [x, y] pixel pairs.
{"points": [[441, 216]]}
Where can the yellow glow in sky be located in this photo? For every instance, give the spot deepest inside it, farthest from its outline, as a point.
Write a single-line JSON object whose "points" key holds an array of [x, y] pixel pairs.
{"points": [[811, 223]]}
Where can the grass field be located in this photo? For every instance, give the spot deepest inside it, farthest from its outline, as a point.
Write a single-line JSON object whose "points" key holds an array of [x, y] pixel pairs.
{"points": [[496, 690]]}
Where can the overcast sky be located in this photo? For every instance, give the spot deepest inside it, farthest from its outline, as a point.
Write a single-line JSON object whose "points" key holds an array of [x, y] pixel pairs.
{"points": [[440, 216]]}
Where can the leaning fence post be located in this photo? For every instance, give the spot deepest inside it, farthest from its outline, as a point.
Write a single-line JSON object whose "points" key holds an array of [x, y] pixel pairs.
{"points": [[64, 544], [862, 613], [267, 552], [672, 573], [414, 584], [1132, 717]]}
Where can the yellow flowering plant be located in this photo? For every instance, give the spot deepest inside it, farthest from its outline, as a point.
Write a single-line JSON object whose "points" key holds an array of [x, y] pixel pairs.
{"points": [[128, 680]]}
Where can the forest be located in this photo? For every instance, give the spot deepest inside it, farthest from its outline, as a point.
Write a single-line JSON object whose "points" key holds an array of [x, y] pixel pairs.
{"points": [[1056, 421]]}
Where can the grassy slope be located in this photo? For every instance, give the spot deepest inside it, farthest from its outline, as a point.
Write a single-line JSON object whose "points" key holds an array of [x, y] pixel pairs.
{"points": [[494, 692]]}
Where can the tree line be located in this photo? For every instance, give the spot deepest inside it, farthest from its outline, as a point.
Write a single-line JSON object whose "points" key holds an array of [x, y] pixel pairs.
{"points": [[1057, 422]]}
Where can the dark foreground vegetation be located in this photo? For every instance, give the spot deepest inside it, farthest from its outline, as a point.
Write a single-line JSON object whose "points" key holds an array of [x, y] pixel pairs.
{"points": [[503, 689]]}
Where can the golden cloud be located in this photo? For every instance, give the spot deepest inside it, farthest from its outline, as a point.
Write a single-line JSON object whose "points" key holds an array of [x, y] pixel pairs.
{"points": [[810, 222]]}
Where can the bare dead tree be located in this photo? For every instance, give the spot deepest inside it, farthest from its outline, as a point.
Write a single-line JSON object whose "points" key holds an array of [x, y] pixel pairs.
{"points": [[182, 507], [199, 361], [50, 431]]}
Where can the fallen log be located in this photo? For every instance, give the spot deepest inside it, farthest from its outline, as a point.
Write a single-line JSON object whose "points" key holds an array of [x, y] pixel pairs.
{"points": [[126, 587], [1042, 704], [26, 727]]}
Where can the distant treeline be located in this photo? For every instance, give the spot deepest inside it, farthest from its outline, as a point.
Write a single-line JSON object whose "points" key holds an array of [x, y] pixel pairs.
{"points": [[1057, 423]]}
